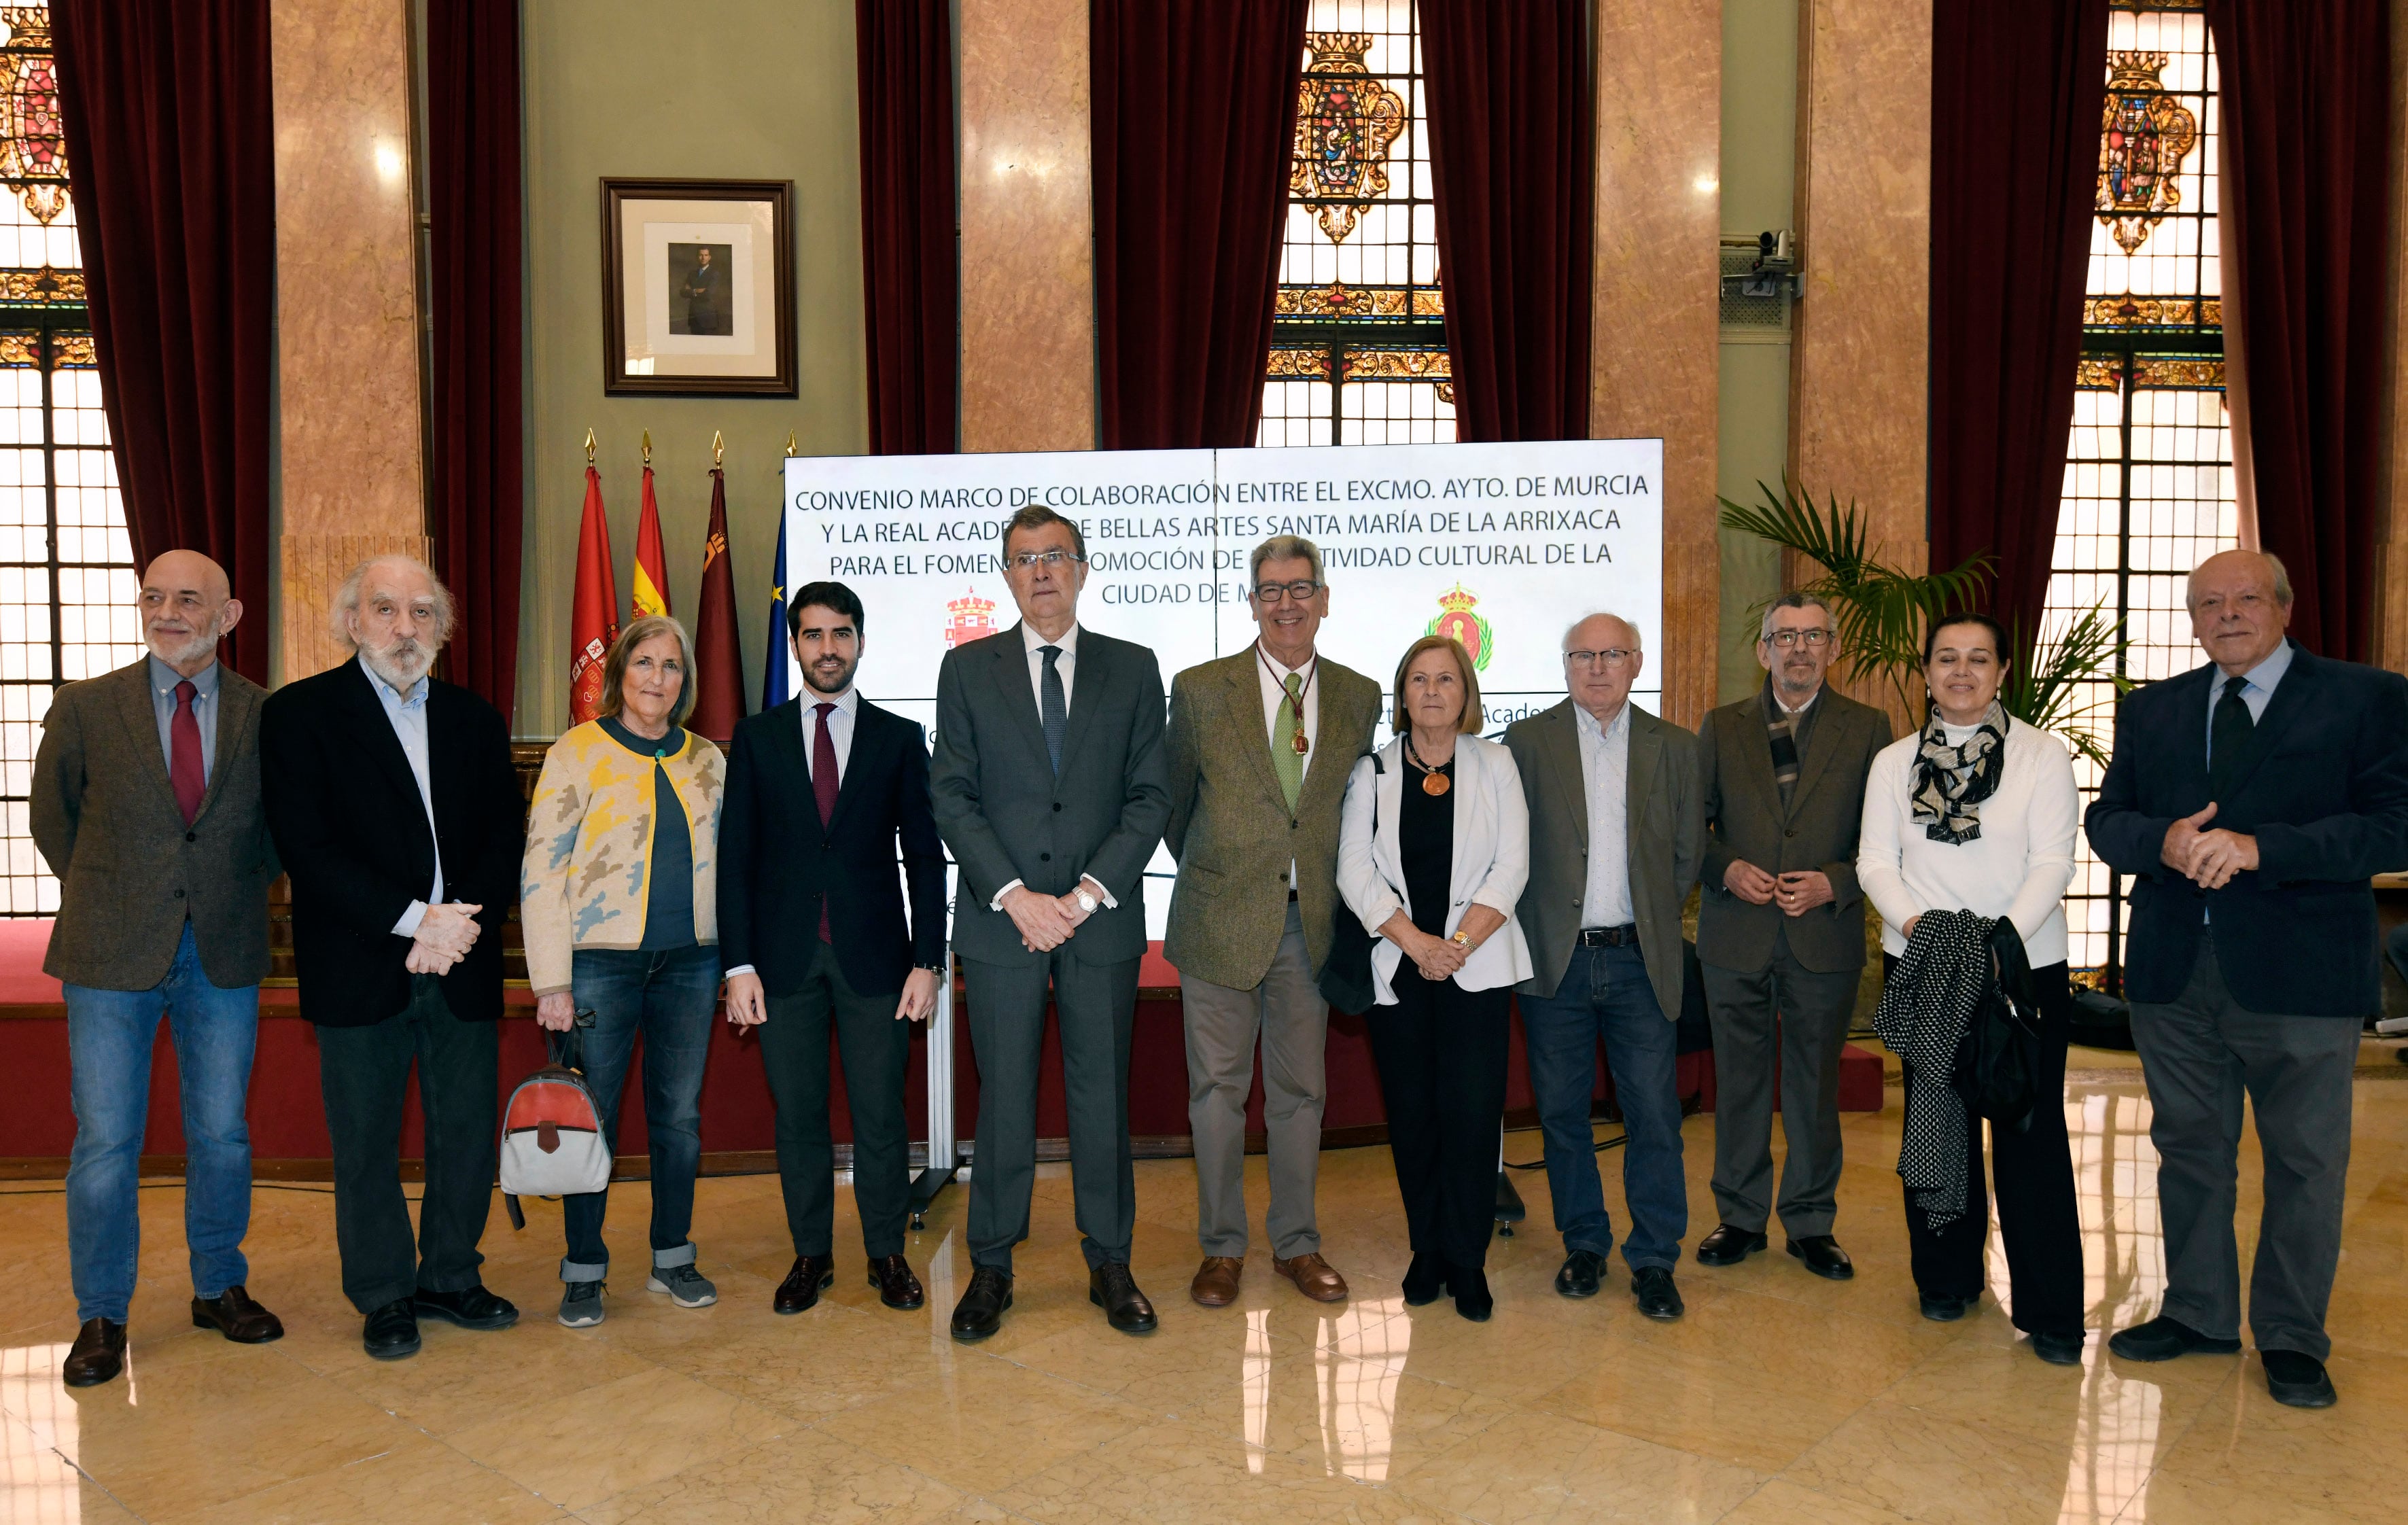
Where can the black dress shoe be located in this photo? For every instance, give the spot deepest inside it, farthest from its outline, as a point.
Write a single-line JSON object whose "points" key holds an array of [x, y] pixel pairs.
{"points": [[234, 1315], [2298, 1380], [392, 1331], [1658, 1297], [980, 1312], [1824, 1257], [800, 1292], [898, 1288], [1471, 1299], [1728, 1246], [1425, 1281], [2058, 1349], [1111, 1288], [471, 1307], [1579, 1276], [2162, 1339], [98, 1355], [1946, 1310]]}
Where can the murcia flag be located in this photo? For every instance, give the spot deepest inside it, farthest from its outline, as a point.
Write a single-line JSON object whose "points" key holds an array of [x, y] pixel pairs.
{"points": [[718, 677], [650, 594], [594, 615]]}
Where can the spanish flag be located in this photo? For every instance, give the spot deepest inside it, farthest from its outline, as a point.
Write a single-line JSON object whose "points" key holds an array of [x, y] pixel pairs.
{"points": [[651, 593], [593, 614]]}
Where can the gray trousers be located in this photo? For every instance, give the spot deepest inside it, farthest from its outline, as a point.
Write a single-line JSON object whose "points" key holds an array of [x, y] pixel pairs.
{"points": [[2200, 1054], [1289, 1014], [1787, 1017], [1096, 1005]]}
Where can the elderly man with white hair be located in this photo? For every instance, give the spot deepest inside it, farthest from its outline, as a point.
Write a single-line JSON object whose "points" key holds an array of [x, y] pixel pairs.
{"points": [[399, 817]]}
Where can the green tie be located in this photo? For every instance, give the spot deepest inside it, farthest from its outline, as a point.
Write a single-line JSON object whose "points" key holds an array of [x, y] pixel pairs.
{"points": [[1286, 723]]}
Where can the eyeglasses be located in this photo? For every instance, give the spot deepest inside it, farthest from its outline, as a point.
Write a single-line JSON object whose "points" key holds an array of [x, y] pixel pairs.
{"points": [[1028, 560], [1788, 638], [1589, 661], [1271, 592]]}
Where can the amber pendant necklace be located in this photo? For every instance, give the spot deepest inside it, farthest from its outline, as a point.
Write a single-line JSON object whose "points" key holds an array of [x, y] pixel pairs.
{"points": [[1433, 781]]}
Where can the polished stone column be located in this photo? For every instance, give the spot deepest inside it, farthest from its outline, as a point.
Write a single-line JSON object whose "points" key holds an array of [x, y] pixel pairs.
{"points": [[347, 306]]}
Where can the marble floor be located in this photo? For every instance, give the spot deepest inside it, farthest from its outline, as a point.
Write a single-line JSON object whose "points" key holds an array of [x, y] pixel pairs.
{"points": [[1779, 1398]]}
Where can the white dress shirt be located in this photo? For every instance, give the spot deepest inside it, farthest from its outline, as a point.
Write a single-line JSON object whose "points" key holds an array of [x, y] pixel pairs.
{"points": [[839, 724], [408, 713], [1605, 775], [1067, 665], [1272, 678]]}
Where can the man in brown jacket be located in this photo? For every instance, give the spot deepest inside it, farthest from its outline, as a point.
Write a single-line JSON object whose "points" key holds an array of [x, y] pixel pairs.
{"points": [[1260, 747], [146, 804], [1781, 933]]}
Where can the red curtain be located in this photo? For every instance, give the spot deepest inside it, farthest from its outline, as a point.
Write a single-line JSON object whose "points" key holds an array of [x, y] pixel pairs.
{"points": [[1511, 147], [472, 97], [2307, 118], [909, 252], [170, 147], [2011, 220], [1193, 122]]}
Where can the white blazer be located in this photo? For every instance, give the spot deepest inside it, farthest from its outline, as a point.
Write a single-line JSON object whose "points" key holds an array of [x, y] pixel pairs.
{"points": [[1492, 859]]}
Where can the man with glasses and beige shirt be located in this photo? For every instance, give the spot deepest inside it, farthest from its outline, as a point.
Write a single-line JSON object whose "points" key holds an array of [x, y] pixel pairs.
{"points": [[1260, 745]]}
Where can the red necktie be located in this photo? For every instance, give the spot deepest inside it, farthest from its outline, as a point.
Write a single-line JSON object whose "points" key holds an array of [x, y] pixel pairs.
{"points": [[824, 788], [184, 753]]}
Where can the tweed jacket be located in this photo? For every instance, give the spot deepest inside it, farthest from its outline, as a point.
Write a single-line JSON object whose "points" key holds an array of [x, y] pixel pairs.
{"points": [[1231, 829], [1665, 834], [586, 879], [1745, 819], [130, 871]]}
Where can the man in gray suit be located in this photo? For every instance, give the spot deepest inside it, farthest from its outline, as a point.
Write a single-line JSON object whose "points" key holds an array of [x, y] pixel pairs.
{"points": [[146, 805], [1047, 787], [1781, 933], [1261, 744], [1616, 838]]}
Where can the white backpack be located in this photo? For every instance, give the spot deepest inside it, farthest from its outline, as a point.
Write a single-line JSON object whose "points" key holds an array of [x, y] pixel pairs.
{"points": [[551, 1138]]}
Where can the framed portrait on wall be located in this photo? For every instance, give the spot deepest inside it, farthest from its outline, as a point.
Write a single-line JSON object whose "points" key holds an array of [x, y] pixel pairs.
{"points": [[698, 288]]}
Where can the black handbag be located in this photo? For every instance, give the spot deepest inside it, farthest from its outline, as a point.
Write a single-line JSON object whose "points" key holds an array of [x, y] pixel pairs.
{"points": [[1346, 974], [1997, 1061]]}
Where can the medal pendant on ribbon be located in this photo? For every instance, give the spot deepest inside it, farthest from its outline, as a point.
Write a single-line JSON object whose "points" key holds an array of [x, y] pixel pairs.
{"points": [[1435, 783], [1301, 746]]}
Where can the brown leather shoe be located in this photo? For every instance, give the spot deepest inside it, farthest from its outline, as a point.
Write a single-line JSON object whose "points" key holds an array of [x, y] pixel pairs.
{"points": [[800, 1290], [1315, 1277], [1216, 1280], [98, 1355], [234, 1315], [898, 1288]]}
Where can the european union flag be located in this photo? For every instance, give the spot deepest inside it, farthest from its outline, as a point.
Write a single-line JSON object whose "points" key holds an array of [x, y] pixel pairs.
{"points": [[773, 670]]}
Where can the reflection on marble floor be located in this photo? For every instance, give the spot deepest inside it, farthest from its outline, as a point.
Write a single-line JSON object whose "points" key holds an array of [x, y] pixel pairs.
{"points": [[1778, 1398]]}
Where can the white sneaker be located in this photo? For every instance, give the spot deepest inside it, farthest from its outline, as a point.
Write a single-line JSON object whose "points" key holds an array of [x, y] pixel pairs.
{"points": [[2392, 1027]]}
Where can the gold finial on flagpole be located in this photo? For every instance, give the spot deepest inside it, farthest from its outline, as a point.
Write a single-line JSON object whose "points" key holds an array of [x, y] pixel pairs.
{"points": [[718, 449], [790, 444], [589, 447], [648, 447]]}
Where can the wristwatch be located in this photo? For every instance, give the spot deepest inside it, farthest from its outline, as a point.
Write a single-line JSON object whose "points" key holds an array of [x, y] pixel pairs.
{"points": [[1087, 903]]}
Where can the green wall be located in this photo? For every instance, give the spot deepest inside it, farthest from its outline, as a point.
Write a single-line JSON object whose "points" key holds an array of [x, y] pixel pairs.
{"points": [[736, 90]]}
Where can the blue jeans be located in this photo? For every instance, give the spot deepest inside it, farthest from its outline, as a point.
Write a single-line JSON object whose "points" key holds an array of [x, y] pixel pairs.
{"points": [[1605, 994], [110, 1035], [670, 997]]}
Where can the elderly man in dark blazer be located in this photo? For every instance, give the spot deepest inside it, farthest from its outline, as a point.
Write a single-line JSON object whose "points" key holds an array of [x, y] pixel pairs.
{"points": [[1261, 744], [146, 805], [2251, 800], [1616, 838], [399, 817], [1047, 781], [1781, 933]]}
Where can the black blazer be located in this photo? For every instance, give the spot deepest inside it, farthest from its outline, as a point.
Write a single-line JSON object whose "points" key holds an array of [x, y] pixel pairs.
{"points": [[2323, 789], [344, 809], [775, 860], [1006, 817]]}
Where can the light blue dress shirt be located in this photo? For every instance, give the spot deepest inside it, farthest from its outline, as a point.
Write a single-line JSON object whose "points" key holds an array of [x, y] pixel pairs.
{"points": [[164, 679], [408, 713], [1605, 774], [2257, 688]]}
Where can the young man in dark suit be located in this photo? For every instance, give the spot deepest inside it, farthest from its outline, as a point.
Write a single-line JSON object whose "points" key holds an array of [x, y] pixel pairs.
{"points": [[1050, 790], [2251, 800], [819, 790], [399, 819], [146, 806]]}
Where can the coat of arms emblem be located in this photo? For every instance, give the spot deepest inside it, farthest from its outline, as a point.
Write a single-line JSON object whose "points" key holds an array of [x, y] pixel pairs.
{"points": [[2143, 142], [1456, 622], [968, 617], [1345, 122]]}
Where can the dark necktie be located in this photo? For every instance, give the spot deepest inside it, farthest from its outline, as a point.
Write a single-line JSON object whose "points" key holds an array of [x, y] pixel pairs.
{"points": [[184, 768], [1054, 710], [824, 788], [2228, 738]]}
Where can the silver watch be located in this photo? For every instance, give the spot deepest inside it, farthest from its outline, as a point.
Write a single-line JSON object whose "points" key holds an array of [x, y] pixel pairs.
{"points": [[1087, 903]]}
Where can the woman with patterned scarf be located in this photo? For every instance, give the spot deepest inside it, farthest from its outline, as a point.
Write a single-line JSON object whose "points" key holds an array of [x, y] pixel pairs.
{"points": [[1976, 812]]}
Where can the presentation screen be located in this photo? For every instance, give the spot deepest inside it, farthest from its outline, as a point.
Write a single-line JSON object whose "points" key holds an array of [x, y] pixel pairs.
{"points": [[1502, 546]]}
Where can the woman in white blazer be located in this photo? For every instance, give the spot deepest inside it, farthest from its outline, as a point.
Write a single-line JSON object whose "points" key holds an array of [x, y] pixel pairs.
{"points": [[1432, 855], [1977, 812]]}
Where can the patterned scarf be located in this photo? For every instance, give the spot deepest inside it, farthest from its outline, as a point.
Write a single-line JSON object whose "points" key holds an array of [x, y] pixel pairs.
{"points": [[1926, 1003], [1783, 727], [1952, 782]]}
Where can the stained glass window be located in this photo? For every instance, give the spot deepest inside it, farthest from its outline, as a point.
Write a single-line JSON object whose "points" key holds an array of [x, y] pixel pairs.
{"points": [[2149, 488], [66, 568], [1358, 344]]}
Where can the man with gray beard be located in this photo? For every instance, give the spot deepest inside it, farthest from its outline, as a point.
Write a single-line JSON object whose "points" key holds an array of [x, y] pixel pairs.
{"points": [[399, 817], [146, 805]]}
